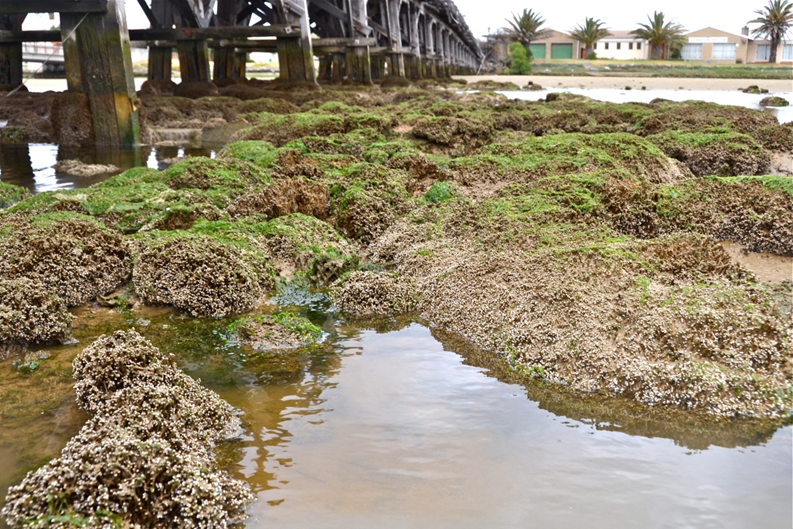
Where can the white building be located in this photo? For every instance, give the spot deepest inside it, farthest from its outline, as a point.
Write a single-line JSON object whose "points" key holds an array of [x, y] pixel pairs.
{"points": [[622, 45]]}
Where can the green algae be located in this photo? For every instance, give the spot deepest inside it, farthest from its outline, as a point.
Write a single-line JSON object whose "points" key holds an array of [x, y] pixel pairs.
{"points": [[11, 194], [568, 153], [726, 154]]}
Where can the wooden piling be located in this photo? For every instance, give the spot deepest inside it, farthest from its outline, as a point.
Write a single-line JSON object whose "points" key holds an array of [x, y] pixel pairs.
{"points": [[11, 53], [193, 60], [160, 57], [99, 64]]}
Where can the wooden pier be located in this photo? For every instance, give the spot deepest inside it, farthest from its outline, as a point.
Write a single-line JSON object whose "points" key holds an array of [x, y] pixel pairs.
{"points": [[355, 41]]}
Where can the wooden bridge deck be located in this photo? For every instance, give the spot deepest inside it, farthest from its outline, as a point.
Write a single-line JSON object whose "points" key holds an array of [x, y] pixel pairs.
{"points": [[359, 40]]}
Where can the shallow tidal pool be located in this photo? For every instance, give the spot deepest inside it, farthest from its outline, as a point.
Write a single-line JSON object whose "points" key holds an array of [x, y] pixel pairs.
{"points": [[395, 424]]}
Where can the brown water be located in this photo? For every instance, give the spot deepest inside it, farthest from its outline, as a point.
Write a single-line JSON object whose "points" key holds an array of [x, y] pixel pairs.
{"points": [[393, 424], [767, 267]]}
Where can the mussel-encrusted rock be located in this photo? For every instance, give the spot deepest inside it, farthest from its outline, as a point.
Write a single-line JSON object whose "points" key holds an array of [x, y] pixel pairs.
{"points": [[74, 256], [145, 459], [201, 275], [30, 313]]}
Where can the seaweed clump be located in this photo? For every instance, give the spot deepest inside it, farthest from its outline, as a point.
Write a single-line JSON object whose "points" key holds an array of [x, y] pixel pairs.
{"points": [[145, 458], [279, 331], [73, 256]]}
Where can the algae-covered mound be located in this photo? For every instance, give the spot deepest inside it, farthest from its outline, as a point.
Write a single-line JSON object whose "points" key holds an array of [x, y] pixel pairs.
{"points": [[366, 199], [727, 154], [11, 194], [204, 276], [669, 321], [145, 458], [365, 293], [30, 313], [755, 211], [279, 331], [698, 116], [284, 198], [230, 175], [74, 256], [308, 244], [774, 101], [775, 137], [560, 154]]}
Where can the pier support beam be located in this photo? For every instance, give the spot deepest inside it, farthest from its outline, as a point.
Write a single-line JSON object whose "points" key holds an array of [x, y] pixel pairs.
{"points": [[11, 53], [193, 60], [160, 57], [225, 59], [295, 55], [99, 64]]}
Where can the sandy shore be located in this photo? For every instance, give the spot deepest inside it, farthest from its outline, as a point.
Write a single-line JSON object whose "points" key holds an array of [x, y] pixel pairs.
{"points": [[652, 83]]}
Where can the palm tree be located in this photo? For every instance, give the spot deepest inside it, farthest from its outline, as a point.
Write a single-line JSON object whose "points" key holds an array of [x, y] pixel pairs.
{"points": [[662, 36], [592, 31], [526, 27], [775, 20]]}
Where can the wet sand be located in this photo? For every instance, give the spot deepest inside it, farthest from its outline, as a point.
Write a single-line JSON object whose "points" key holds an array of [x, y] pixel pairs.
{"points": [[651, 83]]}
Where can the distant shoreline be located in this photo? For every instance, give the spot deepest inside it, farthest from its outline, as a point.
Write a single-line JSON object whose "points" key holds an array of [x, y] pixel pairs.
{"points": [[636, 83]]}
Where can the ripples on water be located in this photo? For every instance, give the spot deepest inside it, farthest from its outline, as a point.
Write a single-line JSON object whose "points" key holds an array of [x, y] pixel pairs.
{"points": [[395, 424]]}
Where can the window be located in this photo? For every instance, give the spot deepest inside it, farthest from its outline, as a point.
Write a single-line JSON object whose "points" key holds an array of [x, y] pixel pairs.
{"points": [[638, 45], [595, 46], [606, 46], [763, 52], [630, 45], [723, 51], [691, 52], [619, 45], [787, 52]]}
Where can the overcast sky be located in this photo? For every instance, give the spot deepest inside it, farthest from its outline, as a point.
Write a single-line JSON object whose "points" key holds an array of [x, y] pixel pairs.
{"points": [[728, 15]]}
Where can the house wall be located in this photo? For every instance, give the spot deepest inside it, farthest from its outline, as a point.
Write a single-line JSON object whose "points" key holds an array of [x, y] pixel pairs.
{"points": [[622, 49], [780, 51], [706, 38], [557, 37]]}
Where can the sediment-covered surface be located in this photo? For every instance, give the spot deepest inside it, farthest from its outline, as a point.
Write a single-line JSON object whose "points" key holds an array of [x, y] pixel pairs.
{"points": [[577, 239], [145, 457]]}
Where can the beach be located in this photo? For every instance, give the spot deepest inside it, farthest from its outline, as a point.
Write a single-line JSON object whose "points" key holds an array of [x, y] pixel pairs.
{"points": [[619, 82]]}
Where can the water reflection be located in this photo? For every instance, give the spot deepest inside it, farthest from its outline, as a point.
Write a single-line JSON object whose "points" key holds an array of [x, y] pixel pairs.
{"points": [[408, 435], [31, 165], [392, 423]]}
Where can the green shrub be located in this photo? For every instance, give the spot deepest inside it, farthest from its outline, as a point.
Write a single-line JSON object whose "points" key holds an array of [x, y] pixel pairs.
{"points": [[521, 63]]}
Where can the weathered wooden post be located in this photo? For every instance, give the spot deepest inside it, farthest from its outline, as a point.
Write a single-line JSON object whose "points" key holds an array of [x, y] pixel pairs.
{"points": [[160, 56], [225, 59], [99, 64], [11, 52], [193, 53], [414, 61], [397, 66], [295, 54]]}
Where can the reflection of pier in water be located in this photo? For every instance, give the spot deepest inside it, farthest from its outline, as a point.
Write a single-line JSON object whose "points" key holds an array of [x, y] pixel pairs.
{"points": [[31, 165]]}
